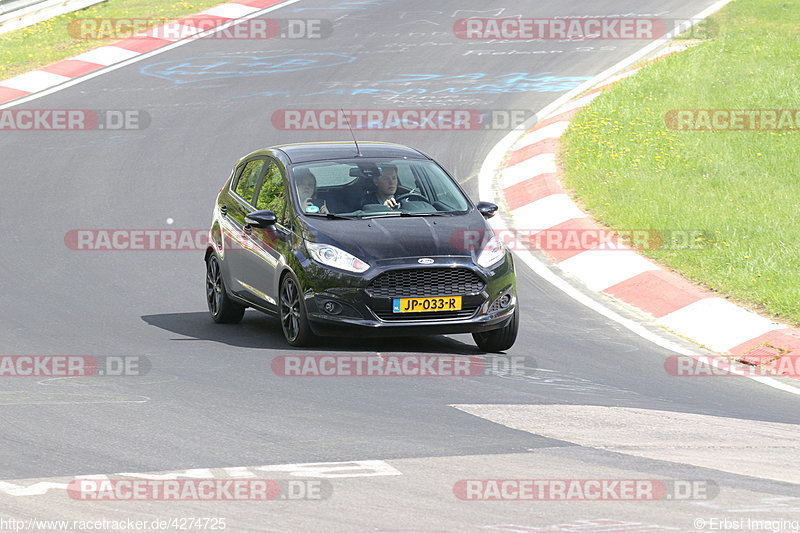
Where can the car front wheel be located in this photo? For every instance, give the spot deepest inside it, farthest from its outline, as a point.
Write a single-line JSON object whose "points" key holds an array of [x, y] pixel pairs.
{"points": [[294, 319], [499, 340]]}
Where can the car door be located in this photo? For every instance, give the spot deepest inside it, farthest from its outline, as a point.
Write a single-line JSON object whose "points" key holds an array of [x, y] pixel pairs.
{"points": [[241, 195], [266, 245]]}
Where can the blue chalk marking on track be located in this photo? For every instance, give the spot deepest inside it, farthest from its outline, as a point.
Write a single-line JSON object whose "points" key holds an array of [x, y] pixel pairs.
{"points": [[513, 82], [196, 69]]}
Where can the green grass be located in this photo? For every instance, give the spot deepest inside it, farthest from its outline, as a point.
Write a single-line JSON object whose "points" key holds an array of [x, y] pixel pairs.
{"points": [[48, 41], [741, 187]]}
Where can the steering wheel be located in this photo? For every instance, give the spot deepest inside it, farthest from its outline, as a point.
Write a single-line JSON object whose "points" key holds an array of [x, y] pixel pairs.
{"points": [[411, 195]]}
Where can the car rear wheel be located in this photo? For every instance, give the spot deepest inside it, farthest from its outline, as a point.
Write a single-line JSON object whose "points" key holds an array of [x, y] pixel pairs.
{"points": [[222, 309], [499, 340], [294, 319]]}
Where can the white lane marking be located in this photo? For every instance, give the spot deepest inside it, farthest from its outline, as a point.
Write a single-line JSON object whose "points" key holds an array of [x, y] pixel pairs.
{"points": [[331, 470], [718, 323], [140, 57], [600, 269], [486, 189], [106, 55], [33, 81], [541, 164], [736, 445], [37, 489], [546, 212], [336, 470]]}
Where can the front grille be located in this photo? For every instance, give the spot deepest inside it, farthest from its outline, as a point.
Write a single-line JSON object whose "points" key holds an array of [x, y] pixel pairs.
{"points": [[421, 282]]}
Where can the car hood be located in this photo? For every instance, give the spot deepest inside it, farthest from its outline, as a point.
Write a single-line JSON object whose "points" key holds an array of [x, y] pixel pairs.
{"points": [[376, 239]]}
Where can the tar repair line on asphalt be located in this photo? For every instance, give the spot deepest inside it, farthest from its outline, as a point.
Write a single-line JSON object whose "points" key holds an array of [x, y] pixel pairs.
{"points": [[492, 165]]}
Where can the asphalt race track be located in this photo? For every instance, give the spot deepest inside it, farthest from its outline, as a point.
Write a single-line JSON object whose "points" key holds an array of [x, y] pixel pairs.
{"points": [[211, 400]]}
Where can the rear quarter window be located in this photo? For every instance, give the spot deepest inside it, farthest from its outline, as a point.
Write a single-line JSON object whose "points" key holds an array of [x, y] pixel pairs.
{"points": [[246, 183]]}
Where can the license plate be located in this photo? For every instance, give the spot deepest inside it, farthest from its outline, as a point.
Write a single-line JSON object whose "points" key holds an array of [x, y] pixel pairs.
{"points": [[422, 305]]}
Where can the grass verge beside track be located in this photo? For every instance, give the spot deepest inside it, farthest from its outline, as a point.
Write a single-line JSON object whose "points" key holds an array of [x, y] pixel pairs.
{"points": [[48, 41], [741, 188]]}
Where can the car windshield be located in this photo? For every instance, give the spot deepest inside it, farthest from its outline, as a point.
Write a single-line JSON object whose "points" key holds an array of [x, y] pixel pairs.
{"points": [[363, 188]]}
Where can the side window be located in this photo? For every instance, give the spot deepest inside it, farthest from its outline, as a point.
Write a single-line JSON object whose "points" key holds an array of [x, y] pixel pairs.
{"points": [[272, 194], [246, 184]]}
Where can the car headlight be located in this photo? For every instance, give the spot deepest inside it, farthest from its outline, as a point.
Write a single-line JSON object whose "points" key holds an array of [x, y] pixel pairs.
{"points": [[334, 257], [492, 253]]}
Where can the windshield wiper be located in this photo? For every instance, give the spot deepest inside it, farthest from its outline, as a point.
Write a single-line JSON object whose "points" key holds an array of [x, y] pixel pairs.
{"points": [[415, 214], [382, 215], [404, 214], [330, 215]]}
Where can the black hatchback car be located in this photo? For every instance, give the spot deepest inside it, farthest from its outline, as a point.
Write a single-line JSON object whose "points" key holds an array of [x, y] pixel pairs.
{"points": [[367, 239]]}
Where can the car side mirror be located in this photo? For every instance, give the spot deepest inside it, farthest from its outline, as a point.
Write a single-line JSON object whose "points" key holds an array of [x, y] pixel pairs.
{"points": [[261, 219], [487, 209]]}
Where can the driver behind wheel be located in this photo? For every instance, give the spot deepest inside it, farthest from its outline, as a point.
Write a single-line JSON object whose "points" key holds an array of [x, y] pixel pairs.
{"points": [[386, 187]]}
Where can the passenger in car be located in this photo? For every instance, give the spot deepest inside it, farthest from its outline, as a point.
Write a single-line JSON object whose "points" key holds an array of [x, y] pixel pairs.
{"points": [[386, 187], [306, 184]]}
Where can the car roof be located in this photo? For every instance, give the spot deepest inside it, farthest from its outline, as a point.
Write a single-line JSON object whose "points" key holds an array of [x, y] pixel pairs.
{"points": [[320, 151]]}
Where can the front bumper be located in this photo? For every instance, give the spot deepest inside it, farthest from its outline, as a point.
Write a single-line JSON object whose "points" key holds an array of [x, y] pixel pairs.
{"points": [[358, 312], [371, 328]]}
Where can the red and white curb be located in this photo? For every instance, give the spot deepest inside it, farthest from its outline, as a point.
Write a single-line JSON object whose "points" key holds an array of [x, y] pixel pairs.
{"points": [[184, 29], [529, 184]]}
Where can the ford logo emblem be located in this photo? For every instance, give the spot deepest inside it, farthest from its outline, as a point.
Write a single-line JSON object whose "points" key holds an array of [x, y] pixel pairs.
{"points": [[425, 261]]}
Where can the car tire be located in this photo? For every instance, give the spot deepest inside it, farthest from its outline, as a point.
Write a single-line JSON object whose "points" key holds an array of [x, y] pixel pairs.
{"points": [[499, 340], [223, 310], [292, 313]]}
